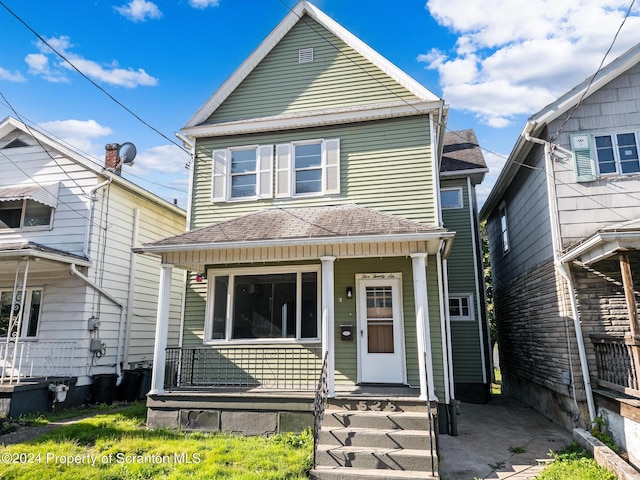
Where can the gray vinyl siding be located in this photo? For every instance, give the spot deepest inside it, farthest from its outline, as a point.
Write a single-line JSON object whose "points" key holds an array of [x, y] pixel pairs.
{"points": [[615, 108], [528, 220], [391, 156], [465, 339], [337, 77]]}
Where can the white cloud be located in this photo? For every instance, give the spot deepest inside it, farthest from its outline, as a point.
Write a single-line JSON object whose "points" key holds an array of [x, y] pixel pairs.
{"points": [[81, 134], [11, 76], [52, 68], [512, 57], [139, 10], [160, 159], [204, 3]]}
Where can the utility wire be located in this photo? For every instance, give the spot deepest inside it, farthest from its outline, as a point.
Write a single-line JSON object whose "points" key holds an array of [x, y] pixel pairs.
{"points": [[136, 116]]}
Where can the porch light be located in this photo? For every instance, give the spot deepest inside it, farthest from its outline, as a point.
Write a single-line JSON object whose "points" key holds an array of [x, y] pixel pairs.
{"points": [[349, 292]]}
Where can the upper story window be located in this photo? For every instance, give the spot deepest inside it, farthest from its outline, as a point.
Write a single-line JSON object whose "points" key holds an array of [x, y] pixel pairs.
{"points": [[308, 168], [504, 228], [609, 154], [451, 198], [31, 305], [617, 154], [16, 214]]}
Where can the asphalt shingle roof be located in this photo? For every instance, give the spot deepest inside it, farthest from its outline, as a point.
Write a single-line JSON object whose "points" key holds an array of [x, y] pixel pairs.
{"points": [[301, 222], [461, 152]]}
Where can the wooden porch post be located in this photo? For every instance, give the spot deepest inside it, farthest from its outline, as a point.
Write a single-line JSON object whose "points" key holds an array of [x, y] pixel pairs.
{"points": [[425, 361], [328, 307], [627, 281], [162, 330]]}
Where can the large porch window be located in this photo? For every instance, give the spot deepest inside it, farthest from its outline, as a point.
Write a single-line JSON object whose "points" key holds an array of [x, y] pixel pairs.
{"points": [[30, 321], [263, 304]]}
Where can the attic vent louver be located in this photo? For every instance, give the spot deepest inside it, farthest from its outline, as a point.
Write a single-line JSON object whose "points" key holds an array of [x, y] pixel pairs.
{"points": [[305, 55], [15, 143]]}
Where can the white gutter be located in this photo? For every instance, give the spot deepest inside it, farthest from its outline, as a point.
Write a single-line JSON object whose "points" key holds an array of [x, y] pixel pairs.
{"points": [[562, 267], [92, 202], [82, 277]]}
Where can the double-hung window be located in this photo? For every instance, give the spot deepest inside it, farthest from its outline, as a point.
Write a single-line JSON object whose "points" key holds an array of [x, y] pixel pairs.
{"points": [[263, 304], [308, 168], [242, 173], [617, 153], [10, 310]]}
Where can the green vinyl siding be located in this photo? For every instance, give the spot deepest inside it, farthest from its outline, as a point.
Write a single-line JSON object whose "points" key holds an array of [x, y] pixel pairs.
{"points": [[385, 164], [194, 312], [337, 77], [465, 340]]}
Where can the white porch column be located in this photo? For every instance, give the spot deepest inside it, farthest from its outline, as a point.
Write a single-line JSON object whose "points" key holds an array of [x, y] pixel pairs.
{"points": [[162, 330], [425, 361], [328, 321]]}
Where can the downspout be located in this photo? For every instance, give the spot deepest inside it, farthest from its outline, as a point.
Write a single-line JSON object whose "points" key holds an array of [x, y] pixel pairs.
{"points": [[131, 287], [92, 202], [82, 277], [562, 267]]}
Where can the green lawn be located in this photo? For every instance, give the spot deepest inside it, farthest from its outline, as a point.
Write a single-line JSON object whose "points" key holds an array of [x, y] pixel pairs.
{"points": [[573, 462], [118, 446]]}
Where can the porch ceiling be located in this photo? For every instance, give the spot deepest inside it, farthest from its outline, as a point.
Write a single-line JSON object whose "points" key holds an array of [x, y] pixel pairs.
{"points": [[295, 234]]}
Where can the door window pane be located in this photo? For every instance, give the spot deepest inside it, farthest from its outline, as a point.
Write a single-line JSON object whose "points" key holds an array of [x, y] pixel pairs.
{"points": [[380, 319]]}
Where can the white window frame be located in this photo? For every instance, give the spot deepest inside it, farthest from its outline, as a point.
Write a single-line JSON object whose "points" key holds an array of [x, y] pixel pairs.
{"points": [[460, 297], [232, 273], [460, 203], [616, 151], [504, 228], [329, 166], [27, 308], [221, 175], [23, 213]]}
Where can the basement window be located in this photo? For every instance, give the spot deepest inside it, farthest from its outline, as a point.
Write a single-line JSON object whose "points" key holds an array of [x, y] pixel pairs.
{"points": [[305, 55]]}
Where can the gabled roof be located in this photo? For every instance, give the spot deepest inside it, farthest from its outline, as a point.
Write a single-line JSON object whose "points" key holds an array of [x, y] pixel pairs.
{"points": [[10, 125], [300, 225], [462, 156], [537, 122], [294, 16]]}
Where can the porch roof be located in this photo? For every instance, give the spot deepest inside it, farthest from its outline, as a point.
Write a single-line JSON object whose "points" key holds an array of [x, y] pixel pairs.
{"points": [[48, 258], [303, 227], [605, 243]]}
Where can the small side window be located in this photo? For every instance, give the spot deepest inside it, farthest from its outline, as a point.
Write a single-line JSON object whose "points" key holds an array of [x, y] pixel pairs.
{"points": [[504, 229], [451, 198]]}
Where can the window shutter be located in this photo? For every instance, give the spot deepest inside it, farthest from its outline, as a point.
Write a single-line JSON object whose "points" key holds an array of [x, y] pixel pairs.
{"points": [[264, 187], [583, 158], [283, 170], [219, 176], [332, 166]]}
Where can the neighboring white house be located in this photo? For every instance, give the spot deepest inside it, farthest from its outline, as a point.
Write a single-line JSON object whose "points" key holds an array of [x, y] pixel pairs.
{"points": [[75, 301]]}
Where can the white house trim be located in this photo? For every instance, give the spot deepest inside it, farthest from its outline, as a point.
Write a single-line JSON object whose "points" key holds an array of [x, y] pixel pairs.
{"points": [[162, 330], [328, 306]]}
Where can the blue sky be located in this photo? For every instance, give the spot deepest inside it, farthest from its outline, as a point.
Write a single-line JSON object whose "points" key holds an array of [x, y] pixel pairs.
{"points": [[494, 62]]}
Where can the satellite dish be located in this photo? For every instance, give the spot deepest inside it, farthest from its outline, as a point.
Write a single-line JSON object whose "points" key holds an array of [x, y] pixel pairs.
{"points": [[126, 153]]}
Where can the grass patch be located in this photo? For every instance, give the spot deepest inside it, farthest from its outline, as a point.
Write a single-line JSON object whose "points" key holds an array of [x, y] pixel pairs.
{"points": [[39, 419], [574, 462], [118, 446]]}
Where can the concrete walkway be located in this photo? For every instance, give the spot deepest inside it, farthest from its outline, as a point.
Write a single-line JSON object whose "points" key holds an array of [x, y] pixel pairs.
{"points": [[489, 437]]}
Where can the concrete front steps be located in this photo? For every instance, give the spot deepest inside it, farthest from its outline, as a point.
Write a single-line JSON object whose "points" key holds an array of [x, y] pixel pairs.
{"points": [[376, 439]]}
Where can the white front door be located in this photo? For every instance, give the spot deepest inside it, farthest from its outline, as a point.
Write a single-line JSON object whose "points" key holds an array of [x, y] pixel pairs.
{"points": [[381, 336]]}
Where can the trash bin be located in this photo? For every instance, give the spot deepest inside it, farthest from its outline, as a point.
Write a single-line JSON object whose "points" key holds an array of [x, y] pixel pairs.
{"points": [[103, 388], [128, 389], [144, 382]]}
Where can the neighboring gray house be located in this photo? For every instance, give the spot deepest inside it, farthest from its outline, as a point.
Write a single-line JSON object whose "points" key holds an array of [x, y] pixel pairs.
{"points": [[564, 230]]}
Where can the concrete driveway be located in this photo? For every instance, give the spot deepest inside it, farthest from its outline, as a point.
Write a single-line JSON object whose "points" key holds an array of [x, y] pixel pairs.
{"points": [[491, 439]]}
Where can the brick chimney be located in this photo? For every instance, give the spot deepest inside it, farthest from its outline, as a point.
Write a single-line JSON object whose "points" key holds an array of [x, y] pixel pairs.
{"points": [[111, 158]]}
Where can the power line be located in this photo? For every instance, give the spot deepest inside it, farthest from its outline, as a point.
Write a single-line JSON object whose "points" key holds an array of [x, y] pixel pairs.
{"points": [[111, 97]]}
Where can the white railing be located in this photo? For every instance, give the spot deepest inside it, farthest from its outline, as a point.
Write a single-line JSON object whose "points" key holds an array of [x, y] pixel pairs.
{"points": [[22, 360]]}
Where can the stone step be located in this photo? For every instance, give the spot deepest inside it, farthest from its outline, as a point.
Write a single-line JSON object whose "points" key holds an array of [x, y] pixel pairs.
{"points": [[346, 473], [379, 420], [376, 458], [376, 438]]}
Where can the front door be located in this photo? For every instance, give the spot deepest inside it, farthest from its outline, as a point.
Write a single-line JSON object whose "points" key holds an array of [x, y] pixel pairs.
{"points": [[381, 336]]}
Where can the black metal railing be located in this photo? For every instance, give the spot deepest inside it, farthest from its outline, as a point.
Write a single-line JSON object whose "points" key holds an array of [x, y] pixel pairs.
{"points": [[290, 368], [319, 405], [615, 363], [432, 412]]}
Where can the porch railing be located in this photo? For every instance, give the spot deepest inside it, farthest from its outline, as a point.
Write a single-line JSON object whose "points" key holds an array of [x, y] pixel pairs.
{"points": [[617, 369], [319, 406], [23, 360], [291, 368]]}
